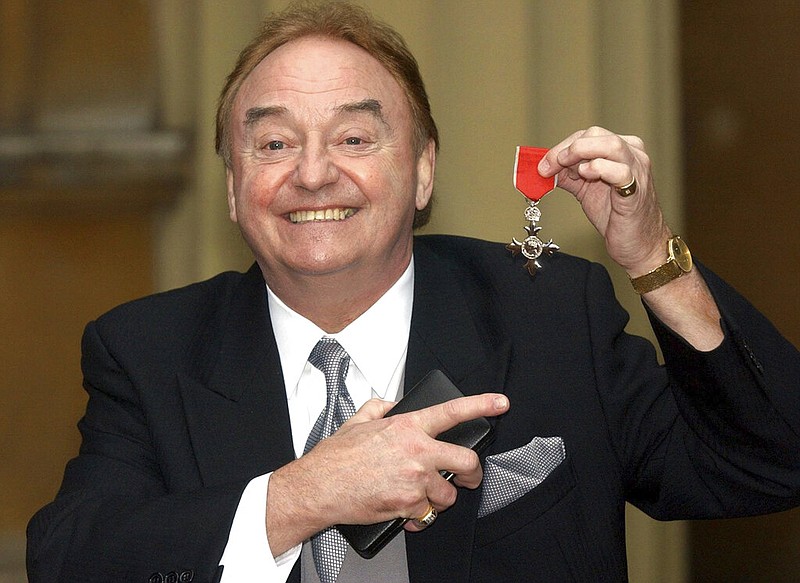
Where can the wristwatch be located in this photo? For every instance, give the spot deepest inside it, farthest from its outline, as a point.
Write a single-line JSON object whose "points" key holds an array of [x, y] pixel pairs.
{"points": [[679, 261]]}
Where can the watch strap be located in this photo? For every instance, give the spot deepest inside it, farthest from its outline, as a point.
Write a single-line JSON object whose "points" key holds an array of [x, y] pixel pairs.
{"points": [[661, 275]]}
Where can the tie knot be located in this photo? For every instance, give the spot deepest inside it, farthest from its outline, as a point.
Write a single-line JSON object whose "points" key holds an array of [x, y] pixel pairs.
{"points": [[329, 357]]}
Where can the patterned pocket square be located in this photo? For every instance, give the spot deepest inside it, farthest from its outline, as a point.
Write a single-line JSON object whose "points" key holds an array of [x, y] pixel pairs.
{"points": [[510, 475]]}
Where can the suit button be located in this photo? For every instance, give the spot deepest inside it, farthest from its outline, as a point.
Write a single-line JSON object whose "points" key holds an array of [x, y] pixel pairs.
{"points": [[156, 578], [186, 576]]}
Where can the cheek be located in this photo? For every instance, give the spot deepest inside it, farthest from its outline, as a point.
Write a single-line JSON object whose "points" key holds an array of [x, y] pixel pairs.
{"points": [[256, 191], [389, 183]]}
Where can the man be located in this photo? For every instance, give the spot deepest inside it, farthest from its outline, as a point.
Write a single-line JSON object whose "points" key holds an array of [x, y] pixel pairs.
{"points": [[200, 459]]}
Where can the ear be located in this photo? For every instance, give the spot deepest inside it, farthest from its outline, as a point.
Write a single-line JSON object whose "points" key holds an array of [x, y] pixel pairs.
{"points": [[426, 167], [231, 196]]}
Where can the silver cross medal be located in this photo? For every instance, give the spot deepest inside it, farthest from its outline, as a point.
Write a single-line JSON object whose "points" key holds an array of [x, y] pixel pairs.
{"points": [[528, 181]]}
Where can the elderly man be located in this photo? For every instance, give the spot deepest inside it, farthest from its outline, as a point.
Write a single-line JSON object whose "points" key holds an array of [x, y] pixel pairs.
{"points": [[207, 450]]}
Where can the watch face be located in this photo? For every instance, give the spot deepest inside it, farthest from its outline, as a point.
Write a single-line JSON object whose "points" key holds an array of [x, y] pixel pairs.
{"points": [[681, 254]]}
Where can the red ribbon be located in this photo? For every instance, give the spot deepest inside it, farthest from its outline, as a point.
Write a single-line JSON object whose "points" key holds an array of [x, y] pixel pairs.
{"points": [[526, 174]]}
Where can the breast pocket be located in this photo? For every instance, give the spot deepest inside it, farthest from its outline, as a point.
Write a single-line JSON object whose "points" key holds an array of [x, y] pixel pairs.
{"points": [[555, 487]]}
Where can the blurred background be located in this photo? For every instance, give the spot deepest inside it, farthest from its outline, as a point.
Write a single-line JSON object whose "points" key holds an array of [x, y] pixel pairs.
{"points": [[110, 189]]}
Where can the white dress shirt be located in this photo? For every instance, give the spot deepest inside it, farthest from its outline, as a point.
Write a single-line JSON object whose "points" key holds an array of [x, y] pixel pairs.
{"points": [[377, 342]]}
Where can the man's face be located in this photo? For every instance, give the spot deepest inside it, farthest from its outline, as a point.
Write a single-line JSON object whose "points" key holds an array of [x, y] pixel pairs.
{"points": [[324, 176]]}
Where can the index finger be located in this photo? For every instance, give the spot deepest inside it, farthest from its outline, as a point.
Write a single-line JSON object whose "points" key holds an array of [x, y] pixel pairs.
{"points": [[588, 144], [439, 418]]}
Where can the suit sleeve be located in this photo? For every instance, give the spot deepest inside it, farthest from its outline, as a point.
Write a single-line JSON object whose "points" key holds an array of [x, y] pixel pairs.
{"points": [[115, 517], [722, 437]]}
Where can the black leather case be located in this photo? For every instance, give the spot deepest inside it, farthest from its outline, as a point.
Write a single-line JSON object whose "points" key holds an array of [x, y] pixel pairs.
{"points": [[434, 388]]}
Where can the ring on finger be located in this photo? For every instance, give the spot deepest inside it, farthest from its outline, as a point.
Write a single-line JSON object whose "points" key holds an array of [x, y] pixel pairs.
{"points": [[428, 518], [629, 189]]}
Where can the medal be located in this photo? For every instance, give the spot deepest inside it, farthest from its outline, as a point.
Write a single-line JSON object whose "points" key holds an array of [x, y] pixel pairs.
{"points": [[528, 181]]}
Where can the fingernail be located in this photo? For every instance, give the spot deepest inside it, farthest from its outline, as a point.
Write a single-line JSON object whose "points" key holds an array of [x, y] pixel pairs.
{"points": [[500, 403], [544, 165]]}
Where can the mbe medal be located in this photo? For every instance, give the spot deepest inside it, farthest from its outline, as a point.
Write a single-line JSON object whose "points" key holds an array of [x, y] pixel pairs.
{"points": [[528, 181]]}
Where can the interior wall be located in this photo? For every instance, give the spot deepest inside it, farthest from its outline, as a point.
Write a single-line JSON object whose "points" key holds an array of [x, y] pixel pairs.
{"points": [[77, 98], [742, 93]]}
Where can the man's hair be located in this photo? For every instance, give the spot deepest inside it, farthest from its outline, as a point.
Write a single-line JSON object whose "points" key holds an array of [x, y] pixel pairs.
{"points": [[342, 21]]}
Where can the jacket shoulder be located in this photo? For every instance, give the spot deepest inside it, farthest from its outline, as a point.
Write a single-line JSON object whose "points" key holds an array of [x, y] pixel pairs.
{"points": [[187, 299], [173, 319], [495, 261]]}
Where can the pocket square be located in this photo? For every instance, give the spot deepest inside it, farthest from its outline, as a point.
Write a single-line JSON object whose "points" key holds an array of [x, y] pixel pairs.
{"points": [[509, 475]]}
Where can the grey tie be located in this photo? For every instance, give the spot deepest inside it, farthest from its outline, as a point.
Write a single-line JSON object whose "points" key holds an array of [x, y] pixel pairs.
{"points": [[329, 546]]}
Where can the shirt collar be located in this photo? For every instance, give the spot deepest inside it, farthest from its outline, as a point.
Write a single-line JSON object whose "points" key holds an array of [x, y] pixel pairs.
{"points": [[375, 341]]}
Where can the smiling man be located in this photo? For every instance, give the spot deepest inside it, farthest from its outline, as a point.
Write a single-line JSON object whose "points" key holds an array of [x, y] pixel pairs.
{"points": [[325, 176], [232, 424]]}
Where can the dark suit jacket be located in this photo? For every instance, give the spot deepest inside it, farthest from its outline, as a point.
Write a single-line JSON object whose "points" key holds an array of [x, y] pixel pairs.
{"points": [[187, 403]]}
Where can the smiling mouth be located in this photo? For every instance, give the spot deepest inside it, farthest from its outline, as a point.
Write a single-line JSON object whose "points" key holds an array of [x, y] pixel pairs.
{"points": [[337, 214]]}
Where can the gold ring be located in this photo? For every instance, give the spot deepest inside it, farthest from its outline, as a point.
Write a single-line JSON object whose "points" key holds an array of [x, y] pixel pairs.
{"points": [[629, 189], [428, 518]]}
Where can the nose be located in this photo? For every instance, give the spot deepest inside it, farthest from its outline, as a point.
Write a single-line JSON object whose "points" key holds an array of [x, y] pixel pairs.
{"points": [[315, 168]]}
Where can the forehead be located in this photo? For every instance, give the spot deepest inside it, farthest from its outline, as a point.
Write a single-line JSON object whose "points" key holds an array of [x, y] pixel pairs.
{"points": [[320, 71]]}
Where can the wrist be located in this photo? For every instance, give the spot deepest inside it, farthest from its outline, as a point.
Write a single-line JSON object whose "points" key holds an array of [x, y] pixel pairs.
{"points": [[675, 262], [290, 519], [688, 309], [650, 256]]}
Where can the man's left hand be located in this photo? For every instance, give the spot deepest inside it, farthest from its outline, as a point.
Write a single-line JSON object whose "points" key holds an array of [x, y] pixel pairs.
{"points": [[591, 164]]}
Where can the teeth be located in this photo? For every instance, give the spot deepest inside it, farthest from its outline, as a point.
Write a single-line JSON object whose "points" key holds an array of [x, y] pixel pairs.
{"points": [[337, 214]]}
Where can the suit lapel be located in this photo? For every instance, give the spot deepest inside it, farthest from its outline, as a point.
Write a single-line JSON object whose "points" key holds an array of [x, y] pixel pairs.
{"points": [[452, 330], [233, 390]]}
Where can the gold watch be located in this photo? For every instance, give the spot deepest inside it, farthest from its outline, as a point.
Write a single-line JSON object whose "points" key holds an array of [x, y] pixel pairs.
{"points": [[679, 261]]}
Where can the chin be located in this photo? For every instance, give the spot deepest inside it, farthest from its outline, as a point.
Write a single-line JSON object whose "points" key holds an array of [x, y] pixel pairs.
{"points": [[320, 265]]}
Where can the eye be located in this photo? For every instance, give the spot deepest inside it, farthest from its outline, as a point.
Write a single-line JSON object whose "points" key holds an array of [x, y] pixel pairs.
{"points": [[275, 145], [354, 141]]}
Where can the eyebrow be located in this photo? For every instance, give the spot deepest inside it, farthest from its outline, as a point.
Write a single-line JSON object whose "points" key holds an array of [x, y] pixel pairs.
{"points": [[256, 114], [370, 106]]}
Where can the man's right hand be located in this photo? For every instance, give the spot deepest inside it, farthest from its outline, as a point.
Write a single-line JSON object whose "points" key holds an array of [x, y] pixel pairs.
{"points": [[375, 469]]}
